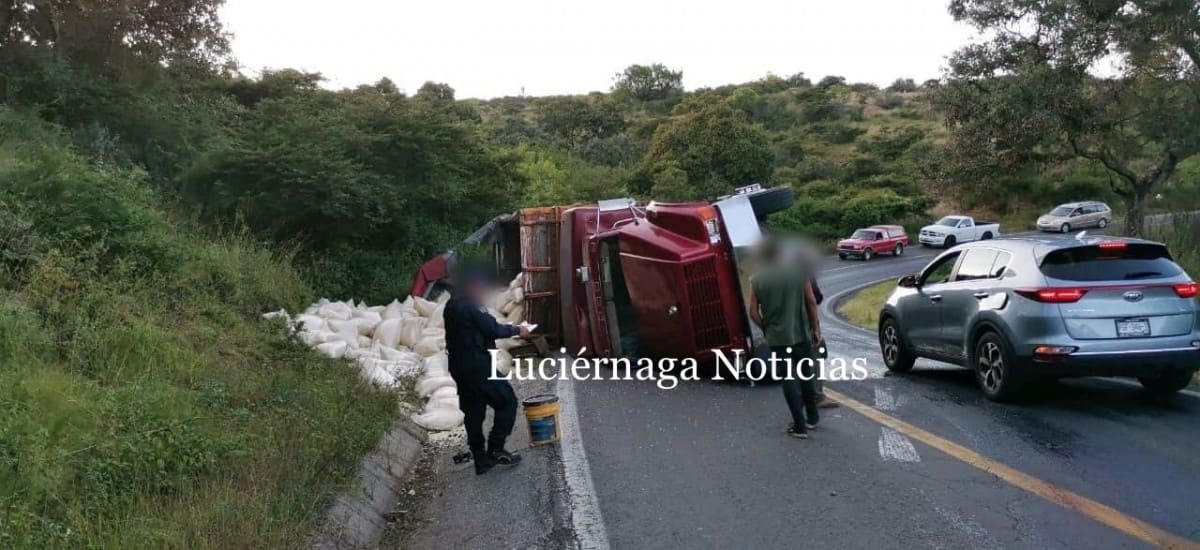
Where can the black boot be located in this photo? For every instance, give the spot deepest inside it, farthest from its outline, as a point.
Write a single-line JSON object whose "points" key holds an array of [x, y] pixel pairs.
{"points": [[503, 457], [483, 462]]}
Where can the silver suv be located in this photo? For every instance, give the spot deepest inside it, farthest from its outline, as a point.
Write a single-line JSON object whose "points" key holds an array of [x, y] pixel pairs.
{"points": [[1015, 310], [1075, 215]]}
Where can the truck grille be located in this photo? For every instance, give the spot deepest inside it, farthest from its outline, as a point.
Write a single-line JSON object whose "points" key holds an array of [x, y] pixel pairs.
{"points": [[704, 297]]}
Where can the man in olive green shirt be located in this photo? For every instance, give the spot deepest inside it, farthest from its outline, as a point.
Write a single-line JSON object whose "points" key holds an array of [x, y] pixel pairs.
{"points": [[783, 304]]}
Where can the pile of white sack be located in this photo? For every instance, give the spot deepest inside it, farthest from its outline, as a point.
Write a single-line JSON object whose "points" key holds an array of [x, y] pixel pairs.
{"points": [[402, 340]]}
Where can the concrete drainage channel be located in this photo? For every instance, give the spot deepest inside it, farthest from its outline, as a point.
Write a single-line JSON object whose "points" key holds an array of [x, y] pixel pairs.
{"points": [[357, 518]]}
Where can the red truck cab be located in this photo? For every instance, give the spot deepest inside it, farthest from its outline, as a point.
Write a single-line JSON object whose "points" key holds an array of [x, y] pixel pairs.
{"points": [[615, 279], [868, 242]]}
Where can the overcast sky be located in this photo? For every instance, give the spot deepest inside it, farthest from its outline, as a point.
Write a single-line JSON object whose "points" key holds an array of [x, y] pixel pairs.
{"points": [[490, 48]]}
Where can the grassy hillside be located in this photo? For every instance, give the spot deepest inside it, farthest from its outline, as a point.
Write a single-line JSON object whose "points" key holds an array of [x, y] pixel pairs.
{"points": [[142, 400]]}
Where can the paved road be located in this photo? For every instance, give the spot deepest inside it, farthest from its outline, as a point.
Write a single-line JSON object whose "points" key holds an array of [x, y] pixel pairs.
{"points": [[707, 465]]}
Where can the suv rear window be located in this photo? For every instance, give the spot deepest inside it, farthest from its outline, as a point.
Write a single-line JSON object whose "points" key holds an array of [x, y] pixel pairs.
{"points": [[1091, 263]]}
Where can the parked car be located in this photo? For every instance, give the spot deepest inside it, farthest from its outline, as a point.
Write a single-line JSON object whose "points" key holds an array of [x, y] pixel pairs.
{"points": [[952, 230], [1075, 215], [867, 242], [1016, 310]]}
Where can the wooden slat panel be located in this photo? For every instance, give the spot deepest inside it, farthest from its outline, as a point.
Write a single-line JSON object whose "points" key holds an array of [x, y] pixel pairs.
{"points": [[539, 259]]}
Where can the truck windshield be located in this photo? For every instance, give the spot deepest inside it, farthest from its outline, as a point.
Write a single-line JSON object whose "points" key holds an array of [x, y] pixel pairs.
{"points": [[949, 221], [864, 235]]}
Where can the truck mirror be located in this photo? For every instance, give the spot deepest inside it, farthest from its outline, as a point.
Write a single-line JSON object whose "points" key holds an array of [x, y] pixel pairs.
{"points": [[908, 281]]}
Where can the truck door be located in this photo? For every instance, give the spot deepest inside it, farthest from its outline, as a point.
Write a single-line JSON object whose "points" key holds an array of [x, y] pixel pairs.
{"points": [[599, 324]]}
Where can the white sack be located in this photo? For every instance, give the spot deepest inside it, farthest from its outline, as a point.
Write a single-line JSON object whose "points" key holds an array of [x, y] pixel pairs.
{"points": [[410, 331], [388, 333], [428, 384], [333, 350], [443, 392], [518, 294], [437, 364], [444, 403], [439, 420], [516, 315], [281, 314], [393, 310], [311, 323], [424, 307], [428, 346], [436, 319]]}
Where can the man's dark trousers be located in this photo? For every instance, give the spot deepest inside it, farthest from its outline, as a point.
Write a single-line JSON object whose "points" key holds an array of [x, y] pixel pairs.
{"points": [[475, 394], [801, 395]]}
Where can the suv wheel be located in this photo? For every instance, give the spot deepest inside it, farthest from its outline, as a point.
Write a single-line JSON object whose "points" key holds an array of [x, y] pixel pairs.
{"points": [[1166, 383], [868, 254], [896, 355], [1065, 228], [1102, 223], [899, 250], [994, 368]]}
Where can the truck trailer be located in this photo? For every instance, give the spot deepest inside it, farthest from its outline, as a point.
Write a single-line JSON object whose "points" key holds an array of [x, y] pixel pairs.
{"points": [[617, 279]]}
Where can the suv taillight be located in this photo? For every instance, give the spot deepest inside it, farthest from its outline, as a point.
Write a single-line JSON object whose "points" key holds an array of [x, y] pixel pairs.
{"points": [[1187, 290], [1054, 295]]}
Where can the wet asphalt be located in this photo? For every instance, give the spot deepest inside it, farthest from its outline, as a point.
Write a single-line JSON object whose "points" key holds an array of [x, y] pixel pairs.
{"points": [[708, 465]]}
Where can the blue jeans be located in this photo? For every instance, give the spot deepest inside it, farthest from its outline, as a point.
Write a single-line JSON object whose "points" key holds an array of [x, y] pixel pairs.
{"points": [[801, 395]]}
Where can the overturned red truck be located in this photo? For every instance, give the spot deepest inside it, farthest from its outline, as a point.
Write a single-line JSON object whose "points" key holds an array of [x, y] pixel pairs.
{"points": [[615, 279]]}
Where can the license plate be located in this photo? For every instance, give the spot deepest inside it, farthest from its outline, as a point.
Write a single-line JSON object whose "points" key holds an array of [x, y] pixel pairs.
{"points": [[1133, 328]]}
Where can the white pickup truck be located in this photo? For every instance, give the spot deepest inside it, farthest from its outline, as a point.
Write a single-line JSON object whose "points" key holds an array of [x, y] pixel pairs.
{"points": [[952, 230]]}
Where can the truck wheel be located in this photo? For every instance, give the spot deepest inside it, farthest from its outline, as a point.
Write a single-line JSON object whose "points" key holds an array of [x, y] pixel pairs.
{"points": [[896, 355], [1166, 383], [770, 201], [1066, 228], [950, 241], [995, 369], [899, 250], [868, 254], [987, 236], [841, 256]]}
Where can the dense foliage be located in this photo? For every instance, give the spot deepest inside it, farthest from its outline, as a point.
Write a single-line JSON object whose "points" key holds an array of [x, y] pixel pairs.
{"points": [[1030, 95]]}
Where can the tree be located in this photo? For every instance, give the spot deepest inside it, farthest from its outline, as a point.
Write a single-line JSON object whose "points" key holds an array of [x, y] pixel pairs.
{"points": [[109, 36], [713, 144], [648, 82], [1030, 94], [903, 85], [579, 119]]}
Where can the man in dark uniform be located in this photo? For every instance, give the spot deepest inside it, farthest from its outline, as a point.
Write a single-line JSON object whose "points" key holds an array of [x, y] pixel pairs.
{"points": [[470, 332]]}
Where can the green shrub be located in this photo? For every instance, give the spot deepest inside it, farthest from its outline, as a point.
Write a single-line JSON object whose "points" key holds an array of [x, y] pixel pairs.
{"points": [[143, 402]]}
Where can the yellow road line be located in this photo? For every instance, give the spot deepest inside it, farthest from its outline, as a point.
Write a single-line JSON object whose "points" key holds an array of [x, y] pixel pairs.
{"points": [[1086, 506]]}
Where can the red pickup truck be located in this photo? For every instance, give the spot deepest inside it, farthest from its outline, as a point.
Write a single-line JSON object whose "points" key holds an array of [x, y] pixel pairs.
{"points": [[615, 279], [869, 242]]}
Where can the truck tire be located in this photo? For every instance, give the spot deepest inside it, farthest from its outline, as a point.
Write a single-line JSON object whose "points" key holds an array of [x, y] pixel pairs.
{"points": [[770, 201], [950, 242], [868, 254], [899, 250], [987, 235]]}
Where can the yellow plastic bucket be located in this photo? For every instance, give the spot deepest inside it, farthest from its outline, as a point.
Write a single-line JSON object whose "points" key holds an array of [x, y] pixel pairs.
{"points": [[541, 415]]}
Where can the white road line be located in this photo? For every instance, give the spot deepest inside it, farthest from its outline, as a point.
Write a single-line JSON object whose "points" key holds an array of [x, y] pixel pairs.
{"points": [[585, 508], [894, 446], [884, 400]]}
